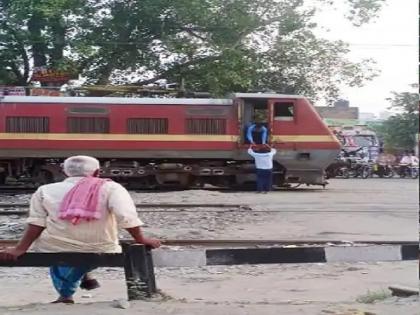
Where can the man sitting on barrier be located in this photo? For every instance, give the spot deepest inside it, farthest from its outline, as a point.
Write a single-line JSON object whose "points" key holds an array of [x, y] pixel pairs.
{"points": [[80, 214]]}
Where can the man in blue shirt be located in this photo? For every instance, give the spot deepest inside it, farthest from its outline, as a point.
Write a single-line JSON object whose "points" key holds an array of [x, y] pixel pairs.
{"points": [[260, 130]]}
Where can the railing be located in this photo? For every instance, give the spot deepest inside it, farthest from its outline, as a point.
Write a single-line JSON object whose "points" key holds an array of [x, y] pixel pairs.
{"points": [[136, 260]]}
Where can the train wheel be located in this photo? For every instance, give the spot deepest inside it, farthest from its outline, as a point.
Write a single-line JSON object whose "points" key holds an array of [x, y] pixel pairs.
{"points": [[198, 184], [3, 177], [288, 186], [245, 187], [294, 186]]}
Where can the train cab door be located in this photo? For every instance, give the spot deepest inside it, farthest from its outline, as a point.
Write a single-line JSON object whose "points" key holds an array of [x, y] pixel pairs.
{"points": [[282, 122], [250, 111]]}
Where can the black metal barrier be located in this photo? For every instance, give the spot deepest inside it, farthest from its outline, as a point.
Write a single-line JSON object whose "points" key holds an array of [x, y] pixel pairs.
{"points": [[136, 259]]}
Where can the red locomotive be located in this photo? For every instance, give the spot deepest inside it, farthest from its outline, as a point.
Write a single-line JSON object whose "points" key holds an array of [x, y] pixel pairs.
{"points": [[155, 142]]}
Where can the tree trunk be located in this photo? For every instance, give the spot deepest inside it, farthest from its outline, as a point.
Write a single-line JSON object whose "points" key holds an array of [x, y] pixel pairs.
{"points": [[59, 35], [35, 25]]}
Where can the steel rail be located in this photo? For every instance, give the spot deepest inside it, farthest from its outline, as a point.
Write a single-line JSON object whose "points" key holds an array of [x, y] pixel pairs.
{"points": [[204, 205], [153, 205], [252, 243], [29, 190], [25, 212]]}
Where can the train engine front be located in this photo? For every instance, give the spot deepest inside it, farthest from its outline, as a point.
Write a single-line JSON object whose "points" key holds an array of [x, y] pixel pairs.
{"points": [[305, 145]]}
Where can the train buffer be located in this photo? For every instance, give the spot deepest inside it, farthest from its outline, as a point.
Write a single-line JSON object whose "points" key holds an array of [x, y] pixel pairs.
{"points": [[136, 259]]}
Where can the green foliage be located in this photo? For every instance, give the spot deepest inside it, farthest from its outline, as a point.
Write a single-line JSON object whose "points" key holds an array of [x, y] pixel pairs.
{"points": [[303, 64], [362, 11], [218, 46], [36, 33], [400, 130]]}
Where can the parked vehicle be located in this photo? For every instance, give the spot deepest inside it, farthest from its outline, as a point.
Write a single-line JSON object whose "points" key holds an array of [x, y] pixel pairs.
{"points": [[337, 171], [358, 138], [358, 167], [407, 170], [340, 168], [382, 170]]}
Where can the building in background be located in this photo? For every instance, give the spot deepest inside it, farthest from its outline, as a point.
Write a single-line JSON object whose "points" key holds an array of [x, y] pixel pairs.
{"points": [[384, 115], [367, 117], [340, 110], [12, 91]]}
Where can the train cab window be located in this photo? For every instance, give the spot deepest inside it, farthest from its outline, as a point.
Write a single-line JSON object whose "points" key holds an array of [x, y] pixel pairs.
{"points": [[147, 125], [206, 126], [87, 125], [28, 124], [284, 111]]}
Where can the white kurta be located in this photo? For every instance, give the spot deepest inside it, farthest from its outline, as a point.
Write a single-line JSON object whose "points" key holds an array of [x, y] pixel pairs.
{"points": [[93, 236]]}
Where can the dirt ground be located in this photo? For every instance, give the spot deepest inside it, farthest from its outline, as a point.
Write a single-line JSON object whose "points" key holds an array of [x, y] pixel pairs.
{"points": [[371, 209], [354, 209], [296, 289]]}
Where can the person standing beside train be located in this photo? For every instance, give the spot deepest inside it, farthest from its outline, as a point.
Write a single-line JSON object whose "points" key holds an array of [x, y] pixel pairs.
{"points": [[264, 166], [80, 214]]}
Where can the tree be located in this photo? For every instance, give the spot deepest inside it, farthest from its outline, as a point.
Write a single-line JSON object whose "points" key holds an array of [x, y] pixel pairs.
{"points": [[37, 34], [213, 45], [303, 64], [400, 130]]}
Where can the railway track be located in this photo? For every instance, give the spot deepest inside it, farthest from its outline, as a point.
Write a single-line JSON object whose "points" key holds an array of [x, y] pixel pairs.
{"points": [[16, 190], [25, 212], [22, 213], [177, 208], [153, 205], [12, 190], [141, 206], [251, 243]]}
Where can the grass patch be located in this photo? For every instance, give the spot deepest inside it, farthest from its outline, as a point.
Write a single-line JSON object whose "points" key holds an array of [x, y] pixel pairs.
{"points": [[373, 296]]}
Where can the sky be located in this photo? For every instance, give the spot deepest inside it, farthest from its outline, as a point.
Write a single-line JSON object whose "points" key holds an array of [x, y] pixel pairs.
{"points": [[391, 40]]}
